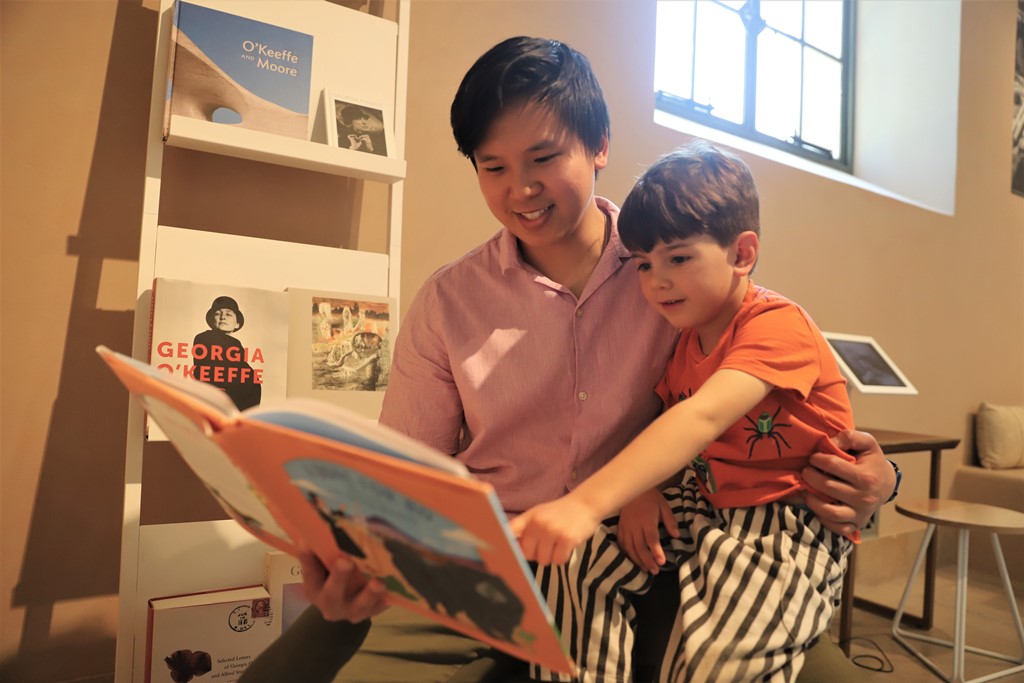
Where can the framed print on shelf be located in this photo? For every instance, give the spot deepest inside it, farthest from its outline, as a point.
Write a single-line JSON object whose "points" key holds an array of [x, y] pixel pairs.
{"points": [[356, 124], [866, 366]]}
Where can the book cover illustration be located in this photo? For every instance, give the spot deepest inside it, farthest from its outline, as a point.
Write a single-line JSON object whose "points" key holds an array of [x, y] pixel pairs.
{"points": [[214, 635], [233, 338], [348, 341], [420, 554], [234, 70], [339, 348], [403, 512], [282, 577]]}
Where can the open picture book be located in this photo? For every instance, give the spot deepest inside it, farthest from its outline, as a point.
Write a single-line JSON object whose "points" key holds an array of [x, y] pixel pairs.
{"points": [[304, 472]]}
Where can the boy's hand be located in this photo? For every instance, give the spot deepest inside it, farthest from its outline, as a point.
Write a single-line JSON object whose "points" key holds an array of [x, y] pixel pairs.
{"points": [[548, 532], [342, 593], [638, 529]]}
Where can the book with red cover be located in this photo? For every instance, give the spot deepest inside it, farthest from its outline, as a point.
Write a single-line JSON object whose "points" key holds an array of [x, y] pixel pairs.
{"points": [[304, 471]]}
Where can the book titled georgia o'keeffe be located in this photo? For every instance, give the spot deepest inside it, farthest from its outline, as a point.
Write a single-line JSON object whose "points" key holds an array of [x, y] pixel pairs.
{"points": [[234, 70], [234, 338], [308, 472]]}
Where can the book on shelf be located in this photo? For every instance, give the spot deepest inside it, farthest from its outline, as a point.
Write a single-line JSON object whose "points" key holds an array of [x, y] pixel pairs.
{"points": [[282, 577], [339, 348], [307, 472], [233, 338], [214, 634], [258, 345], [234, 70]]}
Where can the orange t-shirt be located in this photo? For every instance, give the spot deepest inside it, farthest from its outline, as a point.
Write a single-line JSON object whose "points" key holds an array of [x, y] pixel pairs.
{"points": [[758, 459]]}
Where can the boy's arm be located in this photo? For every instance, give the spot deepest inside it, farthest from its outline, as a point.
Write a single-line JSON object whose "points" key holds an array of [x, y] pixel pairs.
{"points": [[550, 531]]}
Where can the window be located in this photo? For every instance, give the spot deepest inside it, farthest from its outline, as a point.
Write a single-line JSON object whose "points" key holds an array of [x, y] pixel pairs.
{"points": [[774, 71]]}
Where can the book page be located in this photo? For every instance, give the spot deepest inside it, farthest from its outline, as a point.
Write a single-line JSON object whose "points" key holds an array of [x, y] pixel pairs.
{"points": [[227, 484], [338, 424]]}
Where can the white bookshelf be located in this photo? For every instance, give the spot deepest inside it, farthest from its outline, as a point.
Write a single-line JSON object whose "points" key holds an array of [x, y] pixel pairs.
{"points": [[256, 145], [170, 558]]}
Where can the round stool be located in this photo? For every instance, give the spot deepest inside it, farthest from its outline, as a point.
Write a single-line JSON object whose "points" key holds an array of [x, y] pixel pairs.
{"points": [[964, 517]]}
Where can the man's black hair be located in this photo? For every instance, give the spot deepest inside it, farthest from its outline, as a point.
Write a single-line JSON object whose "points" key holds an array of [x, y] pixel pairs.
{"points": [[521, 70]]}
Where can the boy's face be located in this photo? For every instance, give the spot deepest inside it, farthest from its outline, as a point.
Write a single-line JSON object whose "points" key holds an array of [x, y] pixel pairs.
{"points": [[695, 283], [536, 177]]}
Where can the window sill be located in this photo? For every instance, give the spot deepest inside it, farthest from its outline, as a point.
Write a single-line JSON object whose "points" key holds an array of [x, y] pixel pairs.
{"points": [[688, 127]]}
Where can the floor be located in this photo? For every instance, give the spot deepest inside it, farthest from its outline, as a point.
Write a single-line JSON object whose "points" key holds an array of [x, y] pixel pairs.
{"points": [[989, 625]]}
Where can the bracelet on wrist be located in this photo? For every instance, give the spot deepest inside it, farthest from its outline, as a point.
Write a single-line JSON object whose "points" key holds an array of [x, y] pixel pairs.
{"points": [[899, 478]]}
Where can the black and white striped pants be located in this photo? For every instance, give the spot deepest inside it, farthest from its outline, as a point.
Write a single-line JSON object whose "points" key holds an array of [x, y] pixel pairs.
{"points": [[757, 587]]}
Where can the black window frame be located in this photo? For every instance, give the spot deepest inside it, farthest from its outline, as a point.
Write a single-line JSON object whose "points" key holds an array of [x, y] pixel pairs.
{"points": [[701, 113]]}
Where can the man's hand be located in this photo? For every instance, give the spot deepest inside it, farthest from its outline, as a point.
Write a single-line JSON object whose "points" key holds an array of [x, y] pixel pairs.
{"points": [[342, 593], [638, 529], [848, 493], [548, 532]]}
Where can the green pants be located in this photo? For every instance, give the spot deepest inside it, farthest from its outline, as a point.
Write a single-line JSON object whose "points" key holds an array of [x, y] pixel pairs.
{"points": [[402, 647]]}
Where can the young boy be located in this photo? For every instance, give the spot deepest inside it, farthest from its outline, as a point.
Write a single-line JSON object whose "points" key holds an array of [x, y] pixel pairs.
{"points": [[751, 391], [507, 359]]}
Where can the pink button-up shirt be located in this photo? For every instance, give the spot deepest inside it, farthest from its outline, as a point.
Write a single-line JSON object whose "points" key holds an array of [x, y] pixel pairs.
{"points": [[530, 387]]}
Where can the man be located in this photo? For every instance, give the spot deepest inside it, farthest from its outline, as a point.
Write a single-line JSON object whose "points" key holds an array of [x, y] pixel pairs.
{"points": [[532, 359]]}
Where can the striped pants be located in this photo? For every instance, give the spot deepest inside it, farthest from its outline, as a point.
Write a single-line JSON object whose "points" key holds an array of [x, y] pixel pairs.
{"points": [[757, 587]]}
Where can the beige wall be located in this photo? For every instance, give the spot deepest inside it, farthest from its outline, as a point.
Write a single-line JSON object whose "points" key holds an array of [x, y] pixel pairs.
{"points": [[945, 295]]}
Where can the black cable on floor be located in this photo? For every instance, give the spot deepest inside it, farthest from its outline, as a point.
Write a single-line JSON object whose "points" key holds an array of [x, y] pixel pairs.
{"points": [[879, 663]]}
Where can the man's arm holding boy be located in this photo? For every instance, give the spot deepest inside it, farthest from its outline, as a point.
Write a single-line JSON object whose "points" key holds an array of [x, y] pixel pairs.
{"points": [[850, 493]]}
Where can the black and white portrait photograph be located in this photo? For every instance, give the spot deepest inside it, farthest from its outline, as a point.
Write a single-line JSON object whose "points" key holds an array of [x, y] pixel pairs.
{"points": [[360, 127]]}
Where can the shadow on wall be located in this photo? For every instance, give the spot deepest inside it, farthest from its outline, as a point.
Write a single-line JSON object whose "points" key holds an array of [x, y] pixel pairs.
{"points": [[73, 546]]}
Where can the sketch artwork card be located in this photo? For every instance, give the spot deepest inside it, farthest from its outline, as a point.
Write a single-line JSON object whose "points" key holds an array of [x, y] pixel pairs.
{"points": [[339, 348]]}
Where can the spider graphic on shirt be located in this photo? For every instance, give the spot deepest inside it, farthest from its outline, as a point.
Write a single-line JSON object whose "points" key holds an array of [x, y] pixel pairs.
{"points": [[765, 428]]}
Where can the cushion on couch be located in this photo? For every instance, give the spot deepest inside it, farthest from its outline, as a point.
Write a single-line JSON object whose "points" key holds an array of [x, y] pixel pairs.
{"points": [[999, 436]]}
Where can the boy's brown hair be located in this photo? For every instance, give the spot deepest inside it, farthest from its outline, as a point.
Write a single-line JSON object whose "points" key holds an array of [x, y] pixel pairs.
{"points": [[695, 190]]}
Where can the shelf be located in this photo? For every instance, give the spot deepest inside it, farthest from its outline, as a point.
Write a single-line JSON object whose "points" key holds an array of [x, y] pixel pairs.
{"points": [[356, 57], [218, 138], [185, 254]]}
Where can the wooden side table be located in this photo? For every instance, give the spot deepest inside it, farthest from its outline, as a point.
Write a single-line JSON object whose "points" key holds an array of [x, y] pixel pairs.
{"points": [[965, 518], [893, 442]]}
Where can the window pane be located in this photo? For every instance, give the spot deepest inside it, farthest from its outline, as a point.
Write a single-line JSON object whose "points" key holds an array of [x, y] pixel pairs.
{"points": [[778, 85], [784, 15], [824, 27], [822, 101], [701, 59], [720, 49], [673, 60]]}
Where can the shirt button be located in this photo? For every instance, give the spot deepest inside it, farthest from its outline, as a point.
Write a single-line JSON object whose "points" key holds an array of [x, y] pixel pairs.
{"points": [[574, 475], [579, 312], [582, 396]]}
